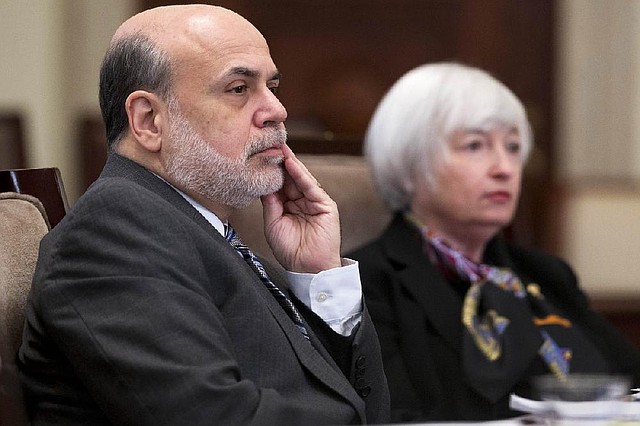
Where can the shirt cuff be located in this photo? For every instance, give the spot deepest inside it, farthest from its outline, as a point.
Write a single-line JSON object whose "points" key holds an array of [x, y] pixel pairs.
{"points": [[335, 295]]}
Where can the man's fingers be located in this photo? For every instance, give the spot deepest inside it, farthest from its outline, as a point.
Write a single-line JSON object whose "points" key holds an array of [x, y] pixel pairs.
{"points": [[300, 182]]}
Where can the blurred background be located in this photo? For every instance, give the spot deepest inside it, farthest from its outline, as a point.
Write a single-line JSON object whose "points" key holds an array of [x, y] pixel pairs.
{"points": [[574, 63]]}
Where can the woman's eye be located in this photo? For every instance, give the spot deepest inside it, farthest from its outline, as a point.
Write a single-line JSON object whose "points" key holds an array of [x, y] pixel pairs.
{"points": [[513, 147], [274, 89], [474, 145]]}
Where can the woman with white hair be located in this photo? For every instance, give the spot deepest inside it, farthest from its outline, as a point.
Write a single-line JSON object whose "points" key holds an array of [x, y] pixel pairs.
{"points": [[464, 317]]}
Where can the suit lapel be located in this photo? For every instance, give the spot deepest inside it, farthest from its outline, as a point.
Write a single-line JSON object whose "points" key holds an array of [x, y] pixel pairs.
{"points": [[441, 305], [314, 356]]}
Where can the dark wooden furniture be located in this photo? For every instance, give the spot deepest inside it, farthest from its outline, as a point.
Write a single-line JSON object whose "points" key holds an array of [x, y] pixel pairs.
{"points": [[43, 183], [623, 313], [12, 143], [92, 148]]}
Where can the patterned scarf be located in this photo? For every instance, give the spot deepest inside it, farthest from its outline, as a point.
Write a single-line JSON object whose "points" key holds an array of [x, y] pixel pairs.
{"points": [[498, 320]]}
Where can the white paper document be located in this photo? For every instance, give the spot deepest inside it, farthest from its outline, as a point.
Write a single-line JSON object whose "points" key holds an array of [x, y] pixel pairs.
{"points": [[618, 410]]}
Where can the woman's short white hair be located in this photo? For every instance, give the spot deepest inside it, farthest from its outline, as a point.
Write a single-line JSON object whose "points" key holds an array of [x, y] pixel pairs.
{"points": [[408, 132]]}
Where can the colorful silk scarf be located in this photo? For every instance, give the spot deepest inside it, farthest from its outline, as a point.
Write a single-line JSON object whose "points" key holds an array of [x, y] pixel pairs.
{"points": [[501, 332]]}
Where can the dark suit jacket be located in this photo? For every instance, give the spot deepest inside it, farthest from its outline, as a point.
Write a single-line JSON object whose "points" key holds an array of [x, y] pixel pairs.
{"points": [[142, 314], [417, 314]]}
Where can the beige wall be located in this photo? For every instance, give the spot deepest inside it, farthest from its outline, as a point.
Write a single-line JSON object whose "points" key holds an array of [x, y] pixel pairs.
{"points": [[602, 240], [598, 89], [51, 52], [598, 142], [50, 56]]}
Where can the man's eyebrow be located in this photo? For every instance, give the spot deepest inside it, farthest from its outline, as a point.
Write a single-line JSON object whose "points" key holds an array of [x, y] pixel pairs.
{"points": [[244, 71], [276, 76]]}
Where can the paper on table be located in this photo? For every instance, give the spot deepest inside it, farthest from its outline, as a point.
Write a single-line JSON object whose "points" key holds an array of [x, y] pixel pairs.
{"points": [[527, 405], [623, 410]]}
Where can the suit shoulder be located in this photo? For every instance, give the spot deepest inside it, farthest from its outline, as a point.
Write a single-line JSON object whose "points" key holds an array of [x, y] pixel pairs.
{"points": [[117, 209], [535, 259], [117, 190]]}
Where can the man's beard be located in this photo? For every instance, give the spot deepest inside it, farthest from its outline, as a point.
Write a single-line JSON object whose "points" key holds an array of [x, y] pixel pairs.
{"points": [[194, 166]]}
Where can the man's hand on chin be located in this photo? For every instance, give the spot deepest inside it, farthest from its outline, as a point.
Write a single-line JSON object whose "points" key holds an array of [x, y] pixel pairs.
{"points": [[301, 221]]}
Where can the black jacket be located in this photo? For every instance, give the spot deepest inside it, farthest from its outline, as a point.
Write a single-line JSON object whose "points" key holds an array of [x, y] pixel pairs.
{"points": [[417, 315], [142, 314]]}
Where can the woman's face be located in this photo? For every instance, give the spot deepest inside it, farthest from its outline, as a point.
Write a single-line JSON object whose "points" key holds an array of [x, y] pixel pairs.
{"points": [[476, 184]]}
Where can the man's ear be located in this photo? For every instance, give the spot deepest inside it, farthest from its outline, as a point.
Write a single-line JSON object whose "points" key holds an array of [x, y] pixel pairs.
{"points": [[147, 119]]}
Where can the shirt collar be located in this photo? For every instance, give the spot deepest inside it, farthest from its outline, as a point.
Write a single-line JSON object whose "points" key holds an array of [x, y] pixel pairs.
{"points": [[207, 214]]}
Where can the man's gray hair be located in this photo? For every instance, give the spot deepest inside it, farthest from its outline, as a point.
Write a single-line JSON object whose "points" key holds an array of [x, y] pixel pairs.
{"points": [[131, 63]]}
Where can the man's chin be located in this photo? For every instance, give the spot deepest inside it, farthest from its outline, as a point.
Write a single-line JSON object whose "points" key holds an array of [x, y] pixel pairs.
{"points": [[267, 169], [267, 159], [268, 180]]}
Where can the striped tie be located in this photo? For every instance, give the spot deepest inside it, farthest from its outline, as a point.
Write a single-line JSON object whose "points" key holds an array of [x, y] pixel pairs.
{"points": [[257, 267]]}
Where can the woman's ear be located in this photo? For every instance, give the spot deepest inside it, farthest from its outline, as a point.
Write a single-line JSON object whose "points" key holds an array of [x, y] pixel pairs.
{"points": [[145, 112]]}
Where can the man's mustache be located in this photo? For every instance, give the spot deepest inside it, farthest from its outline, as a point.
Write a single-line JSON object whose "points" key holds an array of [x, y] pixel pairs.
{"points": [[272, 138]]}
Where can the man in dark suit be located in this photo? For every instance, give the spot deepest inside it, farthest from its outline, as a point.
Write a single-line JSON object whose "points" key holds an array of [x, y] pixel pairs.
{"points": [[141, 311]]}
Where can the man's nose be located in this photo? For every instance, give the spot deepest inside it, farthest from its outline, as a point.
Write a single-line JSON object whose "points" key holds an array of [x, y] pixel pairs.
{"points": [[271, 111]]}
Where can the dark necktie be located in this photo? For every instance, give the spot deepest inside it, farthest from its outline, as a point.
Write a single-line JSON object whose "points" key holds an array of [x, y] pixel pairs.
{"points": [[257, 267]]}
